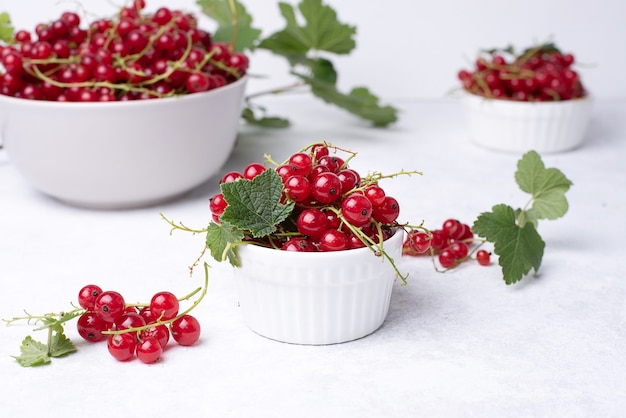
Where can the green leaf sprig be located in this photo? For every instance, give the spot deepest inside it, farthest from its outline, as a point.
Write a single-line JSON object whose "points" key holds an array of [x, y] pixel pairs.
{"points": [[6, 29], [307, 47], [514, 232]]}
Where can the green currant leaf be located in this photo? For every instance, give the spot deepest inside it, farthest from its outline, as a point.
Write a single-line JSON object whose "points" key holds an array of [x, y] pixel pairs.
{"points": [[323, 70], [220, 239], [322, 31], [360, 101], [519, 249], [60, 345], [250, 117], [235, 28], [6, 29], [546, 185], [33, 353], [254, 205]]}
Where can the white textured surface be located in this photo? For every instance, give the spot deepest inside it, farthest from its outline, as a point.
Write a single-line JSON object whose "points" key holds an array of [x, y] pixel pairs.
{"points": [[457, 344]]}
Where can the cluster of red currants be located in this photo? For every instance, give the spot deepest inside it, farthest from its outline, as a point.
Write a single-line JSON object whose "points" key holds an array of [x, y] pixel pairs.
{"points": [[539, 74], [335, 208], [134, 55], [451, 244], [134, 330]]}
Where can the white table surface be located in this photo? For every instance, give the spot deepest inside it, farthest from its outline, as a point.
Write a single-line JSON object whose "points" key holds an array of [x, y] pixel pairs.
{"points": [[456, 344]]}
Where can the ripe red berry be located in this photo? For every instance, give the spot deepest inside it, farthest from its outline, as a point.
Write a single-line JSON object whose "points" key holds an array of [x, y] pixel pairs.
{"points": [[122, 346], [87, 296], [164, 305], [483, 257], [185, 330], [109, 306]]}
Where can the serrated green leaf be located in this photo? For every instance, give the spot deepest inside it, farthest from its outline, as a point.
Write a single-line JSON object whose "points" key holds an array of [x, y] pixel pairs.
{"points": [[60, 345], [323, 70], [33, 353], [220, 239], [254, 205], [519, 249], [265, 121], [546, 185], [6, 29], [322, 31], [360, 101], [231, 26]]}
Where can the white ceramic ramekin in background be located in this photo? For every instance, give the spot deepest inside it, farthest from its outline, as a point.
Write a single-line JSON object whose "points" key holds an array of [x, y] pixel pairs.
{"points": [[513, 126], [316, 298]]}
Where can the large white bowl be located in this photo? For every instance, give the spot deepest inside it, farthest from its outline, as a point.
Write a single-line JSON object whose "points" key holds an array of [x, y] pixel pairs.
{"points": [[514, 126], [118, 155], [316, 298]]}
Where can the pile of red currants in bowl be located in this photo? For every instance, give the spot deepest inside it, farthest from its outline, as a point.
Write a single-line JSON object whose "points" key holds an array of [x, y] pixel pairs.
{"points": [[539, 74], [133, 55]]}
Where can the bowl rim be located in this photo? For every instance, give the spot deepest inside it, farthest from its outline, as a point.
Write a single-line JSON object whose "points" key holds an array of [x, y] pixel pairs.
{"points": [[123, 104], [353, 252]]}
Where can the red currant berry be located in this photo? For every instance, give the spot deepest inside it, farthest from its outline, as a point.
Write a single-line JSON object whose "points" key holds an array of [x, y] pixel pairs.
{"points": [[388, 212], [122, 346], [160, 332], [333, 163], [185, 330], [453, 228], [459, 250], [419, 241], [218, 204], [312, 222], [298, 188], [447, 258], [333, 240], [349, 179], [87, 296], [149, 350], [483, 257], [326, 187], [109, 306], [318, 151], [253, 170], [130, 320], [356, 209], [375, 194], [300, 163], [148, 315], [164, 305], [231, 176], [298, 244], [90, 327]]}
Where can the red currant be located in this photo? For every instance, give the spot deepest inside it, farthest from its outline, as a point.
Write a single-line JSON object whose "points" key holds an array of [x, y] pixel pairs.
{"points": [[298, 244], [333, 240], [253, 170], [149, 350], [109, 306], [185, 330], [356, 209], [388, 211], [87, 296], [164, 305], [90, 327], [483, 257], [326, 187], [122, 346], [312, 222]]}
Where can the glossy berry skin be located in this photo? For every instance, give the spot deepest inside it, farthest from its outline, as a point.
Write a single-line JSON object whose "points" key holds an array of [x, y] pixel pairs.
{"points": [[312, 223], [149, 350], [299, 244], [483, 257], [333, 240], [357, 209], [375, 194], [326, 187], [87, 296], [417, 242], [231, 176], [109, 306], [453, 228], [160, 332], [164, 305], [185, 330], [458, 249], [298, 188], [130, 320], [349, 179], [122, 346], [253, 170], [90, 327], [300, 163], [447, 258], [388, 211], [218, 204]]}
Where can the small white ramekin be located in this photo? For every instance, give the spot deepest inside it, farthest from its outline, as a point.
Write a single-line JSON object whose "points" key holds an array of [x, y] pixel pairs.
{"points": [[316, 298], [513, 126]]}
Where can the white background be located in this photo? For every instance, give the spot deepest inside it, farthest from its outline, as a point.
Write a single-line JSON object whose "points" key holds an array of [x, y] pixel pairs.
{"points": [[413, 49]]}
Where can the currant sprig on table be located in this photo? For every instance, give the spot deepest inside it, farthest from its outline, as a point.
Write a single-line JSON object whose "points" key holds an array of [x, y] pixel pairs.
{"points": [[131, 330], [513, 232]]}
